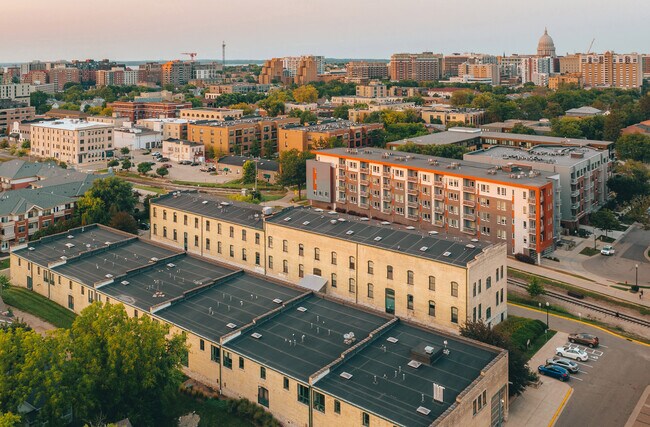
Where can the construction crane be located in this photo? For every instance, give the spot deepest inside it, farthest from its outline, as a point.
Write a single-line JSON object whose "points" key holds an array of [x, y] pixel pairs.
{"points": [[192, 55], [591, 45]]}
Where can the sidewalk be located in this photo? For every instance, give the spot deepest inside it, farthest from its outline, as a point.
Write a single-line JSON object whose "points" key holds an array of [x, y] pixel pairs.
{"points": [[540, 407], [597, 285], [641, 415]]}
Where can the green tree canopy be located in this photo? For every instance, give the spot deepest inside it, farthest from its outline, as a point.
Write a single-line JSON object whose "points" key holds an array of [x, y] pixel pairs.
{"points": [[162, 171], [630, 180], [633, 147], [105, 197], [535, 288], [144, 168], [125, 222], [341, 112], [293, 168], [521, 129], [604, 220], [126, 164], [248, 175]]}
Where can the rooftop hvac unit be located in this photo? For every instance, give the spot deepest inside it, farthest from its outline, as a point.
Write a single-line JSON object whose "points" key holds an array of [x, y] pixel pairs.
{"points": [[154, 259], [424, 411], [171, 265], [392, 340], [378, 238], [424, 248], [124, 282], [414, 364], [277, 301], [301, 309], [349, 232], [109, 276], [446, 253], [69, 245], [231, 325], [70, 236], [256, 335], [346, 375], [267, 210], [287, 219], [410, 227], [205, 202]]}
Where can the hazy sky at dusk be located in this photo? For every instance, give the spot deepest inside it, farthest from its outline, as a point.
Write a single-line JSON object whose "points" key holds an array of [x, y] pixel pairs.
{"points": [[259, 29]]}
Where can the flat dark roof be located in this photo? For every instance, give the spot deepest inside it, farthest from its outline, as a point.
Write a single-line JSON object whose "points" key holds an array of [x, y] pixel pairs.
{"points": [[382, 382], [221, 208], [238, 301], [393, 237], [317, 331]]}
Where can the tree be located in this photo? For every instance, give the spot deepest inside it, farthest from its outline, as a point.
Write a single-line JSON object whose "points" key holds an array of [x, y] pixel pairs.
{"points": [[521, 129], [293, 168], [209, 152], [613, 123], [631, 180], [566, 127], [249, 169], [125, 222], [144, 168], [534, 288], [26, 144], [519, 375], [9, 420], [38, 100], [162, 172], [461, 98], [605, 220], [105, 197], [307, 94], [634, 146], [305, 116], [245, 107], [126, 164], [255, 149], [341, 112], [125, 150], [270, 149], [113, 162]]}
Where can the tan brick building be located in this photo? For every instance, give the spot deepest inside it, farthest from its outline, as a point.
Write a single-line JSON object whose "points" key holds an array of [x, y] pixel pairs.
{"points": [[72, 141], [272, 72], [372, 90], [554, 82], [309, 137], [445, 114], [365, 71], [210, 113], [612, 70], [169, 127], [425, 66]]}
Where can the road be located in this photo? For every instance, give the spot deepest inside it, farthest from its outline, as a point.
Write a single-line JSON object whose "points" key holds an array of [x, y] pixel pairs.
{"points": [[606, 393]]}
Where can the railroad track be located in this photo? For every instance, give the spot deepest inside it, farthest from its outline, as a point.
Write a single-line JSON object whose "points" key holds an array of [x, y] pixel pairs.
{"points": [[578, 302]]}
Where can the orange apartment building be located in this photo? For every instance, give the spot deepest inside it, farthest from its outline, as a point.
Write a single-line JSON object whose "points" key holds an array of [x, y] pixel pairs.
{"points": [[236, 136], [612, 70], [425, 66], [147, 110], [464, 199], [61, 76], [362, 71], [304, 138], [272, 72]]}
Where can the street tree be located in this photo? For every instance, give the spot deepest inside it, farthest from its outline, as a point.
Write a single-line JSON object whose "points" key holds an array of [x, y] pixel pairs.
{"points": [[126, 164], [144, 168], [605, 220], [162, 172], [248, 175], [125, 222], [9, 420], [269, 150], [255, 149], [293, 168], [535, 288], [306, 93], [125, 150], [113, 162]]}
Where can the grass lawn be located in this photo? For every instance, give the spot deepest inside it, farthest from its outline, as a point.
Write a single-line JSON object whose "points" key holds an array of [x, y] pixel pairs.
{"points": [[4, 263], [539, 343], [39, 306], [213, 412], [589, 251], [231, 185], [150, 188], [271, 197], [606, 239]]}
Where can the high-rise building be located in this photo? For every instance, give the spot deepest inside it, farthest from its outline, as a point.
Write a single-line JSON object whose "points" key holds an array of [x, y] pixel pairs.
{"points": [[362, 70], [570, 64], [645, 65], [545, 46], [272, 71], [293, 63], [451, 62], [420, 67], [16, 92], [536, 69], [372, 90], [61, 76], [612, 70], [34, 77], [477, 72], [151, 72], [176, 73], [307, 70]]}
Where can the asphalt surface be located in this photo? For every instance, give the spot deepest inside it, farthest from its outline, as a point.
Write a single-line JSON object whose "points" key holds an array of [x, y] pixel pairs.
{"points": [[620, 267], [609, 385]]}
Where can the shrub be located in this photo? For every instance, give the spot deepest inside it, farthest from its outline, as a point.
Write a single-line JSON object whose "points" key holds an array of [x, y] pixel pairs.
{"points": [[525, 258], [520, 330]]}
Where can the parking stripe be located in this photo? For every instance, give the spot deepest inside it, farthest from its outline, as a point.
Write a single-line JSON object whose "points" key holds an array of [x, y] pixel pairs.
{"points": [[584, 364], [576, 378]]}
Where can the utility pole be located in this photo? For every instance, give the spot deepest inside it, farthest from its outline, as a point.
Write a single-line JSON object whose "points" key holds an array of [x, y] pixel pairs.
{"points": [[223, 54]]}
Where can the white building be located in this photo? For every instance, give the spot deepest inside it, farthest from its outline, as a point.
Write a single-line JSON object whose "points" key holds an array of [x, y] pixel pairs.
{"points": [[135, 138], [179, 150], [291, 63], [131, 77], [72, 141], [16, 92]]}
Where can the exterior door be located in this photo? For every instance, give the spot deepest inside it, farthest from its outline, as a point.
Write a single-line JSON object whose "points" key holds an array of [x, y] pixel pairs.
{"points": [[390, 301], [185, 241]]}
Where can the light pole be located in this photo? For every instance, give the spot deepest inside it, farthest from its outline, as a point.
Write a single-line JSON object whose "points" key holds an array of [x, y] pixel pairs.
{"points": [[636, 274], [547, 306]]}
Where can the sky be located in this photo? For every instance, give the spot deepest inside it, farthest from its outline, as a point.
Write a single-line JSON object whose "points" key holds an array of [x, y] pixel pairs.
{"points": [[261, 29]]}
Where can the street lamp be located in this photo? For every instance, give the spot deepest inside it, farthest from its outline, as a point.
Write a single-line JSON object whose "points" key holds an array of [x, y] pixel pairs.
{"points": [[636, 280], [540, 308]]}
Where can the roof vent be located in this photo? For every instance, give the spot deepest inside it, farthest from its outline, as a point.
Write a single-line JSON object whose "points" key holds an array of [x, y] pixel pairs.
{"points": [[424, 248], [31, 248], [414, 364], [154, 259], [318, 210], [446, 253], [205, 202], [109, 276], [231, 325], [124, 282], [346, 375], [424, 411], [410, 227], [469, 245], [69, 245], [364, 219], [63, 257], [305, 223], [256, 335], [332, 212], [392, 340], [433, 232], [428, 349], [475, 240], [224, 204], [107, 243], [378, 238], [70, 236], [287, 219], [349, 232], [333, 221], [171, 265], [341, 219], [277, 301], [385, 223], [301, 309]]}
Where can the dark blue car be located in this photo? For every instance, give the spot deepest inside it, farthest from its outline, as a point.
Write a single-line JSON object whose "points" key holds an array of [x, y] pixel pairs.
{"points": [[554, 371]]}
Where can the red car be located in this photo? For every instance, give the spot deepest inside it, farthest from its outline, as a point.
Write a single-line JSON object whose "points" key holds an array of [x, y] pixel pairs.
{"points": [[167, 165], [584, 339]]}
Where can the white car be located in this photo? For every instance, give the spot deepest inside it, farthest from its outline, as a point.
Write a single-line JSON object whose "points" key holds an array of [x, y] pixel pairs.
{"points": [[572, 353], [156, 154], [608, 250]]}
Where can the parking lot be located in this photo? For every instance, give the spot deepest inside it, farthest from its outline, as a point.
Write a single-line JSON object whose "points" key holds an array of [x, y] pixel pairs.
{"points": [[609, 384], [180, 172]]}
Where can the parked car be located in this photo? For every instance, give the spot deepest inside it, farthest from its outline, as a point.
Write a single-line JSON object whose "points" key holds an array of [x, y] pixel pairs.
{"points": [[194, 163], [584, 339], [163, 159], [554, 371], [608, 250], [208, 169], [563, 363], [572, 353], [156, 154], [185, 162], [144, 226], [167, 165]]}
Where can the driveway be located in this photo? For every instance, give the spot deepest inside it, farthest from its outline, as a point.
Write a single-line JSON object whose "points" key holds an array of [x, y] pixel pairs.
{"points": [[180, 172], [609, 385]]}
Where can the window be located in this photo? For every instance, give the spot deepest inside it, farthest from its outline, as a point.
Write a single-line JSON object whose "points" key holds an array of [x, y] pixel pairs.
{"points": [[454, 289], [257, 258], [497, 298], [232, 232], [488, 283], [270, 262], [241, 362], [317, 272], [263, 396], [165, 232], [365, 419], [175, 235], [432, 309], [454, 315], [257, 238], [285, 383], [215, 354], [270, 241], [389, 272], [371, 267], [219, 247], [285, 266], [371, 291], [285, 246], [432, 283], [337, 407], [243, 235], [333, 258], [262, 372], [352, 264], [409, 277], [164, 214], [474, 290], [317, 254], [155, 229], [479, 403], [70, 302], [227, 360], [243, 255], [488, 313], [333, 280], [474, 314], [409, 302], [207, 225], [154, 213], [196, 240], [352, 285], [301, 270], [301, 249], [319, 402], [175, 217], [196, 223], [184, 219], [502, 295], [303, 394], [497, 274], [232, 251]]}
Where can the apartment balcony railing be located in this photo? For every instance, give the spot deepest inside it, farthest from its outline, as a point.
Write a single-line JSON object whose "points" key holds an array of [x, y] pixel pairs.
{"points": [[470, 203]]}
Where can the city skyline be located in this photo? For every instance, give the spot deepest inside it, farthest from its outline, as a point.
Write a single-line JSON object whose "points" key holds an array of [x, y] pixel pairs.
{"points": [[495, 28]]}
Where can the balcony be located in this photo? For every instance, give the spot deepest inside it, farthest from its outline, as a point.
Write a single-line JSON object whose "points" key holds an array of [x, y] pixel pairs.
{"points": [[363, 181], [413, 191], [387, 197], [468, 230], [412, 217], [412, 204], [364, 205], [532, 214], [469, 216], [440, 197], [532, 246], [438, 223], [438, 183], [364, 169], [439, 209], [412, 178], [469, 189], [469, 203], [363, 193], [386, 174], [575, 193]]}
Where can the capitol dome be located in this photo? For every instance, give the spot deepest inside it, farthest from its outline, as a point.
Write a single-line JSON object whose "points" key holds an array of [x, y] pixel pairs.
{"points": [[545, 46]]}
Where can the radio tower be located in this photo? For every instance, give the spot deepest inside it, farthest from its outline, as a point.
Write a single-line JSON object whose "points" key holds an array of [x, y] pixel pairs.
{"points": [[223, 54]]}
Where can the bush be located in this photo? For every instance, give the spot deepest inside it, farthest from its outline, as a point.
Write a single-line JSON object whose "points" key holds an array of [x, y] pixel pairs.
{"points": [[525, 258], [520, 330]]}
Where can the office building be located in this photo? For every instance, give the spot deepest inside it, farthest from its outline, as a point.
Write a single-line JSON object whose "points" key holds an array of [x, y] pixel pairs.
{"points": [[72, 141], [148, 110], [450, 63], [372, 90], [420, 67], [13, 111], [16, 92], [309, 359], [307, 70], [176, 73], [581, 173], [293, 64], [61, 76], [488, 73], [323, 134], [363, 71], [570, 64], [541, 127], [610, 69], [468, 200]]}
